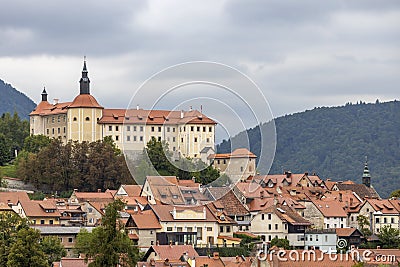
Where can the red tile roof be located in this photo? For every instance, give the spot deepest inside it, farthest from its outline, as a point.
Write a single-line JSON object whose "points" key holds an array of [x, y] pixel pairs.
{"points": [[132, 190], [330, 208], [13, 197], [157, 117], [237, 153], [33, 209], [146, 220], [173, 252], [85, 101], [164, 213]]}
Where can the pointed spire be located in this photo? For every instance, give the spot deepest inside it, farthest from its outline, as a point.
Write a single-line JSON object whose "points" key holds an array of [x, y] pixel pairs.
{"points": [[84, 81], [366, 178], [44, 94]]}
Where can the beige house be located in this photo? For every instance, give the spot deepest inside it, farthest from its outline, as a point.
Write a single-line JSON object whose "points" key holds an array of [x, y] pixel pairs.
{"points": [[84, 119], [238, 165], [194, 225]]}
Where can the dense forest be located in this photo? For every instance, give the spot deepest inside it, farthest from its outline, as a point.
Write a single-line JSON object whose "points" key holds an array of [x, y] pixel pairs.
{"points": [[334, 141], [12, 101]]}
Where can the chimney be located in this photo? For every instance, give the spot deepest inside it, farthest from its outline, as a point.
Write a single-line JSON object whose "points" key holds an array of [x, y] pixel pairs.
{"points": [[181, 114], [351, 201], [288, 174], [328, 180], [137, 107], [340, 197], [166, 262], [306, 173], [152, 262], [262, 194], [56, 101], [237, 259], [9, 203], [216, 255], [157, 242], [275, 200], [98, 190]]}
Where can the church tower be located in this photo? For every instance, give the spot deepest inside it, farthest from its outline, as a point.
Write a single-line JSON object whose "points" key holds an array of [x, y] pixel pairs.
{"points": [[84, 112], [366, 178]]}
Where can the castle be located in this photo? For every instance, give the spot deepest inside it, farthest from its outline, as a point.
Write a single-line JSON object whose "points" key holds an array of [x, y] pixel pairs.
{"points": [[84, 119]]}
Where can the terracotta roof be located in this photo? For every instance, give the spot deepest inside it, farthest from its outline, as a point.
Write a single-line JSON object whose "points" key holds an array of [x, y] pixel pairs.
{"points": [[291, 178], [132, 190], [202, 261], [33, 209], [239, 261], [74, 262], [157, 117], [146, 220], [85, 101], [163, 264], [13, 197], [229, 238], [345, 231], [231, 204], [237, 153], [173, 252], [41, 108], [165, 189], [360, 189], [5, 207], [383, 205], [247, 234], [330, 208], [94, 196], [51, 109], [287, 214], [395, 203], [164, 213]]}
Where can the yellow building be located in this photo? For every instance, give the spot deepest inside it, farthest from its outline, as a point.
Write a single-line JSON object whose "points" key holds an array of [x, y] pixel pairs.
{"points": [[84, 119]]}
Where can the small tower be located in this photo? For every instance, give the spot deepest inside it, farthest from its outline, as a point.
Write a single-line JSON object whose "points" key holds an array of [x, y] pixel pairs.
{"points": [[44, 94], [84, 81], [366, 178]]}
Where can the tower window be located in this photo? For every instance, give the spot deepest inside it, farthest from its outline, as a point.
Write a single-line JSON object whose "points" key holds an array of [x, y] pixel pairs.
{"points": [[87, 119], [74, 119]]}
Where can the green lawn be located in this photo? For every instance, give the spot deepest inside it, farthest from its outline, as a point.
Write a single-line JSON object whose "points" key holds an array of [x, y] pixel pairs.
{"points": [[9, 171]]}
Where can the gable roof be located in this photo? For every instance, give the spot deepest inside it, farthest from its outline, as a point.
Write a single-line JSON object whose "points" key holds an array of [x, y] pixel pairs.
{"points": [[132, 190], [146, 220], [286, 214], [330, 208], [45, 108], [360, 189], [382, 205], [164, 213], [33, 209], [13, 197], [346, 232], [231, 204], [171, 252]]}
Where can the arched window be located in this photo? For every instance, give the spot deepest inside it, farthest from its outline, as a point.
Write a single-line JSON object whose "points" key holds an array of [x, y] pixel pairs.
{"points": [[74, 119], [87, 119]]}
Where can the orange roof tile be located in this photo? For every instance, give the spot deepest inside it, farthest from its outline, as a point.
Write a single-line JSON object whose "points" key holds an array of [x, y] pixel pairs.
{"points": [[330, 208], [157, 117], [33, 209], [146, 220], [45, 108], [174, 252], [132, 190], [85, 101], [13, 197]]}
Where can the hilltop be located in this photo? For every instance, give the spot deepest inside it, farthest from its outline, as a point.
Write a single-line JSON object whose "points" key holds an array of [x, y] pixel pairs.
{"points": [[12, 100]]}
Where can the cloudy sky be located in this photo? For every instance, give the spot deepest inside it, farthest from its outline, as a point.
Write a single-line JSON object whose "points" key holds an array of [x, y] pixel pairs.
{"points": [[301, 54]]}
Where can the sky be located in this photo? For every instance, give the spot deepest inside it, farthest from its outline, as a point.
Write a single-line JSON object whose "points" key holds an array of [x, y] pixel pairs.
{"points": [[295, 55]]}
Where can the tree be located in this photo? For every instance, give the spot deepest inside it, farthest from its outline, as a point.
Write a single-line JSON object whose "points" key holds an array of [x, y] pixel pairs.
{"points": [[159, 156], [389, 237], [34, 143], [363, 223], [10, 225], [108, 244], [395, 193], [5, 154], [26, 251], [52, 247], [280, 243]]}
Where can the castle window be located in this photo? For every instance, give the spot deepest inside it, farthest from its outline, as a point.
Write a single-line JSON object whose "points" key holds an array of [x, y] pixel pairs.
{"points": [[208, 140], [159, 128], [159, 138], [52, 119], [134, 128], [173, 129], [47, 131], [52, 130], [141, 138], [134, 138], [168, 129], [58, 118], [195, 139], [87, 119], [141, 128], [152, 128], [128, 138], [173, 139], [210, 129], [128, 128], [58, 130], [191, 128], [198, 128], [74, 119], [116, 137], [204, 128], [110, 128], [117, 128]]}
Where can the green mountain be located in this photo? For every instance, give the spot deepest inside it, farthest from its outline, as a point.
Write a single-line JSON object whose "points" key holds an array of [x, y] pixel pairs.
{"points": [[12, 100], [333, 142]]}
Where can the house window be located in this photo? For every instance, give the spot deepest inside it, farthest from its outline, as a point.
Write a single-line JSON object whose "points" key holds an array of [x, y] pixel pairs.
{"points": [[117, 128], [269, 216], [41, 221], [116, 137], [276, 226], [384, 220], [173, 139], [87, 119], [377, 220], [128, 128], [262, 216], [192, 128], [326, 238], [134, 138], [134, 128], [141, 128], [168, 129], [128, 138], [195, 139], [209, 229], [58, 130], [51, 222], [52, 130], [70, 240], [210, 129], [269, 226], [173, 129], [198, 128], [189, 229], [159, 138], [204, 128], [228, 229], [110, 128], [90, 210], [64, 129], [316, 238], [159, 129], [181, 140], [47, 131], [391, 220], [208, 140], [169, 229], [152, 128], [141, 138]]}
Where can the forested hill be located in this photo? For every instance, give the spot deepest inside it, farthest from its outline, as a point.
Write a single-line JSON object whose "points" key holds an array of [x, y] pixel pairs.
{"points": [[12, 100], [334, 141]]}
